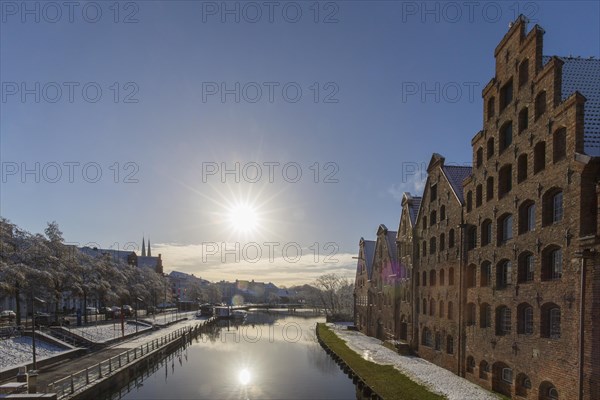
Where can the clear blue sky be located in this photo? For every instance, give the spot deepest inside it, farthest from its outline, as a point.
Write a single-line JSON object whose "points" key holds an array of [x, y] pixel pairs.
{"points": [[175, 55]]}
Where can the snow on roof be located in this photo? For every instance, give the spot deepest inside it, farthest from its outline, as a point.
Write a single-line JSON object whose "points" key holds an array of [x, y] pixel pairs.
{"points": [[369, 254], [456, 175], [583, 75], [117, 255], [147, 262]]}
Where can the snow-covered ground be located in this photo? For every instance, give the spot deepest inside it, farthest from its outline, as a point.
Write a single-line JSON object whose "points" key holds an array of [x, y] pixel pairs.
{"points": [[103, 333], [437, 379], [15, 351]]}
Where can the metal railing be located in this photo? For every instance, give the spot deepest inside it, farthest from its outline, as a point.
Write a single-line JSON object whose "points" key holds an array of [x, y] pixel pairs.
{"points": [[79, 380]]}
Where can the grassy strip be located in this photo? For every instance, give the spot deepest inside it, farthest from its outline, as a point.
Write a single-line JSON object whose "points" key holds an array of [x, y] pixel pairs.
{"points": [[387, 381]]}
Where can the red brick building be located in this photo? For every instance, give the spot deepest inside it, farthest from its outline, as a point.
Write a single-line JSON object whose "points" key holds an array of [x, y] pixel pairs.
{"points": [[504, 263]]}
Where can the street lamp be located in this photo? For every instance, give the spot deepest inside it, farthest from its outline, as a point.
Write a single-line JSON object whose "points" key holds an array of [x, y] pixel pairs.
{"points": [[33, 300]]}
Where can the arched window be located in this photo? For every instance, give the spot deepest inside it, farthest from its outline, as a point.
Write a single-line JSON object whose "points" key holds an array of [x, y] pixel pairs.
{"points": [[552, 263], [449, 344], [523, 119], [432, 245], [552, 207], [486, 232], [506, 94], [451, 238], [506, 133], [525, 319], [489, 188], [432, 277], [526, 268], [470, 314], [424, 222], [490, 148], [548, 391], [479, 157], [433, 218], [539, 157], [523, 72], [441, 308], [486, 274], [471, 237], [484, 369], [438, 341], [559, 145], [424, 278], [432, 307], [471, 275], [442, 213], [450, 311], [442, 242], [424, 248], [478, 195], [427, 339], [522, 168], [485, 315], [550, 321], [505, 228], [523, 385], [442, 277], [526, 216], [504, 180], [425, 307], [540, 104], [469, 201], [491, 108], [503, 274], [470, 364], [503, 320], [451, 276]]}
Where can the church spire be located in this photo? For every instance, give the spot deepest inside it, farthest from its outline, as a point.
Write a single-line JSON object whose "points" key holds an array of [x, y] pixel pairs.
{"points": [[143, 247], [149, 252]]}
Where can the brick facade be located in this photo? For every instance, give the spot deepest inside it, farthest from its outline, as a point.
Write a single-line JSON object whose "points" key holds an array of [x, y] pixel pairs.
{"points": [[502, 273]]}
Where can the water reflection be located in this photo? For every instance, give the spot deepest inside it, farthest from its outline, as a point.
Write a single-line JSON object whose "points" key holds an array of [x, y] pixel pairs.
{"points": [[266, 356]]}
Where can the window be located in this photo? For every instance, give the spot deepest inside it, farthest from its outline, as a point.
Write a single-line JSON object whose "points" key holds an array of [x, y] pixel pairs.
{"points": [[550, 323], [471, 275], [441, 309], [432, 277], [427, 338], [451, 238], [442, 242], [548, 391], [478, 195], [505, 136], [432, 307], [491, 108], [552, 207], [557, 207], [504, 180], [485, 315], [450, 311], [490, 148], [503, 274], [470, 314], [526, 268], [539, 157], [424, 279], [433, 193], [424, 222], [523, 120], [432, 246], [552, 263], [442, 279], [486, 274], [470, 364], [526, 217], [424, 248], [438, 341], [559, 145], [523, 72], [503, 320], [451, 276], [486, 232], [449, 344], [479, 157], [471, 237], [505, 225], [433, 218], [506, 95], [442, 213], [540, 104], [522, 168], [525, 319], [484, 369], [523, 385], [507, 375], [489, 189], [469, 201]]}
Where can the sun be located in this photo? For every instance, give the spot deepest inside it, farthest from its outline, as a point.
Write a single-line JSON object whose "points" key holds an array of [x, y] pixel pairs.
{"points": [[244, 377], [243, 218]]}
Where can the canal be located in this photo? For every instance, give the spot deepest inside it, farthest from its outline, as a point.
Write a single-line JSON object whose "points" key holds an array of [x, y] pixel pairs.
{"points": [[266, 356]]}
